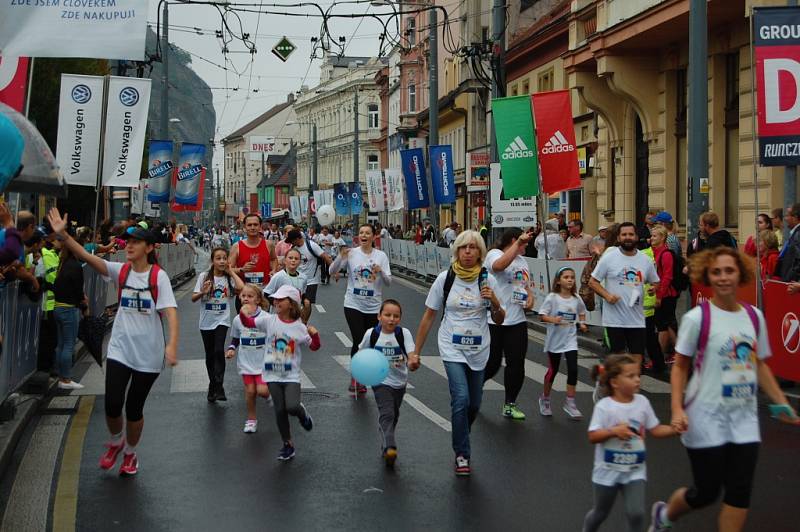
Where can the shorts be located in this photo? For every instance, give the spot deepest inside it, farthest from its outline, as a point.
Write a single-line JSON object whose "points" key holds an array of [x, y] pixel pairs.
{"points": [[665, 314], [730, 466], [622, 339], [311, 293], [253, 379]]}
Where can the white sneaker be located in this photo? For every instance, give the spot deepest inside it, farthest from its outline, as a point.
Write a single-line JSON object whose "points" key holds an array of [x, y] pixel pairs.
{"points": [[250, 426], [544, 406], [598, 392], [572, 410], [71, 385], [269, 401]]}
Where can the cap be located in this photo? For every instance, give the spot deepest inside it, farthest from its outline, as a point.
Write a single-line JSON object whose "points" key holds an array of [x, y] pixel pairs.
{"points": [[662, 217], [602, 228], [137, 232], [287, 291], [293, 235]]}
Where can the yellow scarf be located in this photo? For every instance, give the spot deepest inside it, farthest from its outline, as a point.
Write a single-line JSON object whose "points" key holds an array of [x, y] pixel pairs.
{"points": [[468, 275]]}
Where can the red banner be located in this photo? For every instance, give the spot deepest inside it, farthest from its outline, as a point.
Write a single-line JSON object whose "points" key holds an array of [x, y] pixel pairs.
{"points": [[555, 139], [13, 81], [782, 312]]}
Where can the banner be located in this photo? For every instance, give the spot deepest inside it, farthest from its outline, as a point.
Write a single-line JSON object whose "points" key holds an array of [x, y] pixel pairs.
{"points": [[327, 197], [319, 200], [187, 178], [159, 170], [303, 204], [555, 136], [294, 206], [126, 122], [782, 314], [506, 211], [442, 179], [342, 199], [138, 197], [113, 29], [13, 82], [394, 189], [516, 145], [80, 117], [356, 198], [413, 163], [477, 171], [377, 201], [777, 54]]}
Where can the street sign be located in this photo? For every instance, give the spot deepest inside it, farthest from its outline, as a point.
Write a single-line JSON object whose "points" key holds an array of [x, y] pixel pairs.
{"points": [[283, 49], [266, 210]]}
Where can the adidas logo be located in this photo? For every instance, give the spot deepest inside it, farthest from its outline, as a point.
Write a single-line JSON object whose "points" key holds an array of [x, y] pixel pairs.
{"points": [[517, 150], [557, 144]]}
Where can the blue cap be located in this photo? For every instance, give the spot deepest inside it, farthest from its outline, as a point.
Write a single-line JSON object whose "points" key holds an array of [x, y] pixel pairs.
{"points": [[663, 218], [11, 154]]}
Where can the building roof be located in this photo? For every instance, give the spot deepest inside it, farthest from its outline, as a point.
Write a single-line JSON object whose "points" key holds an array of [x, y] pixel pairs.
{"points": [[257, 121], [345, 60]]}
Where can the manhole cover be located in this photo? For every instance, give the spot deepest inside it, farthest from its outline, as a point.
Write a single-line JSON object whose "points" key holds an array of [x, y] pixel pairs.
{"points": [[315, 397]]}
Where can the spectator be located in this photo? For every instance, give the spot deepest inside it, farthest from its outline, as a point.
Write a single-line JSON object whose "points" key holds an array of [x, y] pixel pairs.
{"points": [[710, 235], [644, 230], [762, 222], [450, 234], [666, 294], [612, 237], [556, 249], [419, 235], [578, 242], [788, 268], [14, 238], [777, 223], [768, 249], [562, 220], [69, 299], [564, 234], [665, 219], [430, 233], [600, 239]]}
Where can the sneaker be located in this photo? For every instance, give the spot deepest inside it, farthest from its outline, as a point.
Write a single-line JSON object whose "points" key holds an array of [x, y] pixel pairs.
{"points": [[269, 400], [220, 395], [390, 457], [109, 458], [510, 410], [307, 422], [130, 465], [462, 466], [250, 426], [544, 406], [361, 389], [212, 394], [571, 409], [598, 392], [287, 452], [656, 523], [71, 385]]}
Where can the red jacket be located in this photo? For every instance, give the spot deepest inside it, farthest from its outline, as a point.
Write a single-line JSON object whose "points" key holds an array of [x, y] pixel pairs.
{"points": [[768, 263], [664, 265]]}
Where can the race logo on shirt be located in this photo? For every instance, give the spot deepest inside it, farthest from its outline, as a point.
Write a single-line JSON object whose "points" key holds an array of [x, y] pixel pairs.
{"points": [[364, 281], [394, 355], [739, 375], [280, 352], [520, 277], [631, 277]]}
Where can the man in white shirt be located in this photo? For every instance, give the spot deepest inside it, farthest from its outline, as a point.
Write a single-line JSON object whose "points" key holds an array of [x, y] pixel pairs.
{"points": [[325, 241], [310, 252], [556, 249], [450, 234]]}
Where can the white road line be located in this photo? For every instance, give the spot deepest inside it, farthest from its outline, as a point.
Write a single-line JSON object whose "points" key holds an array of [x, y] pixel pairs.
{"points": [[420, 407], [435, 364], [344, 339], [190, 376], [344, 361], [320, 308]]}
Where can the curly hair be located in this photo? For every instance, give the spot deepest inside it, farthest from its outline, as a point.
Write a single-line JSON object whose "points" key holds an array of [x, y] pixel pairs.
{"points": [[611, 368], [701, 262]]}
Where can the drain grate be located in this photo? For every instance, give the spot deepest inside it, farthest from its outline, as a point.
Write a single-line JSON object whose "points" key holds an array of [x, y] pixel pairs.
{"points": [[317, 397]]}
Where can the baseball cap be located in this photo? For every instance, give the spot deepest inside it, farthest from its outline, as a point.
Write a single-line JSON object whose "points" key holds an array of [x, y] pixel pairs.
{"points": [[602, 228], [139, 233], [663, 218], [287, 291]]}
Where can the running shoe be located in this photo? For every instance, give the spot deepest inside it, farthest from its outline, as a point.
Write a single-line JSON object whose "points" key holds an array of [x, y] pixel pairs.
{"points": [[220, 395], [510, 410], [362, 389], [307, 422], [212, 394], [544, 406], [269, 400], [462, 466], [250, 426], [572, 409], [598, 392], [130, 465], [287, 452], [390, 457], [71, 385], [657, 524], [109, 458]]}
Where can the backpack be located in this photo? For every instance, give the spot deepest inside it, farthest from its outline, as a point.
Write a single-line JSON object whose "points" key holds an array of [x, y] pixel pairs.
{"points": [[585, 292], [448, 285], [398, 335], [680, 280], [320, 262], [152, 280]]}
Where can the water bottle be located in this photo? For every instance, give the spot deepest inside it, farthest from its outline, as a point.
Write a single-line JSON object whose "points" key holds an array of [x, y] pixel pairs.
{"points": [[483, 280]]}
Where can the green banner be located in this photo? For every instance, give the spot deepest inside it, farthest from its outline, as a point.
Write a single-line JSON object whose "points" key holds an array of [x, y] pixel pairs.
{"points": [[516, 146]]}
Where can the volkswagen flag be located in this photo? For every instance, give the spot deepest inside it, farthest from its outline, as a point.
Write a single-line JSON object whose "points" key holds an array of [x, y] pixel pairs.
{"points": [[80, 117], [126, 122]]}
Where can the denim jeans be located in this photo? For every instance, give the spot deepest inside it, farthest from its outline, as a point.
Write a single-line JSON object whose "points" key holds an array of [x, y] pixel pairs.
{"points": [[67, 320], [466, 391]]}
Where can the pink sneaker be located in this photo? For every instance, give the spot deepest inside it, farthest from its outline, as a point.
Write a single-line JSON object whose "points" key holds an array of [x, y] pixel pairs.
{"points": [[130, 465], [109, 458]]}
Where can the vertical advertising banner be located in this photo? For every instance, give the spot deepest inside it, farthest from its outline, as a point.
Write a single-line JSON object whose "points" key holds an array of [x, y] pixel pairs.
{"points": [[356, 198], [319, 200], [303, 204], [188, 177], [342, 196], [377, 201], [394, 189], [13, 81], [444, 186], [477, 171], [555, 137], [294, 206], [516, 146], [413, 163], [138, 197], [777, 53], [80, 118], [327, 197], [159, 170], [126, 123]]}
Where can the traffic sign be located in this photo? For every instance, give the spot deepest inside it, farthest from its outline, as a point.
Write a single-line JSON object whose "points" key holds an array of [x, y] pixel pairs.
{"points": [[283, 49], [266, 210]]}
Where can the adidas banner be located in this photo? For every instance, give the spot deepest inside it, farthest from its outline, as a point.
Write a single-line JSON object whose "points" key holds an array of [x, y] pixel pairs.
{"points": [[555, 136], [342, 197], [413, 163], [159, 170], [516, 146], [444, 187]]}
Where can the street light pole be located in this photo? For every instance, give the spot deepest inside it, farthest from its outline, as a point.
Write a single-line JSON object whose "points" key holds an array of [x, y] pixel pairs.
{"points": [[355, 153], [433, 105], [698, 114]]}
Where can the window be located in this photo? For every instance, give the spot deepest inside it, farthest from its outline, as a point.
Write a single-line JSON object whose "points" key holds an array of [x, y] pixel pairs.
{"points": [[411, 31], [545, 81], [732, 139], [681, 161], [373, 116], [526, 87], [514, 89], [412, 98], [372, 162]]}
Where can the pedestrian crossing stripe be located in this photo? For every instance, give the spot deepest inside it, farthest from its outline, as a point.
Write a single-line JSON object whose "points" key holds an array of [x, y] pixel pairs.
{"points": [[320, 308]]}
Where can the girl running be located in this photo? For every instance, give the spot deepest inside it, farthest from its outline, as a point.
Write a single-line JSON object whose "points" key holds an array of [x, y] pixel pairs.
{"points": [[285, 336], [561, 309], [214, 289], [617, 429], [250, 343], [397, 345], [289, 275], [137, 348]]}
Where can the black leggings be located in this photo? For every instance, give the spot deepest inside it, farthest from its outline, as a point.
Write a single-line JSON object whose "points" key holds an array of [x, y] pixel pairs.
{"points": [[572, 367], [731, 466], [359, 323], [511, 341], [214, 345], [117, 377]]}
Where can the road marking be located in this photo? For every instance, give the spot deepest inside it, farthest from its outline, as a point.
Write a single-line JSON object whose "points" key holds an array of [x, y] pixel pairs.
{"points": [[320, 308], [65, 507], [648, 383], [344, 339], [420, 407], [191, 376], [344, 361], [437, 365]]}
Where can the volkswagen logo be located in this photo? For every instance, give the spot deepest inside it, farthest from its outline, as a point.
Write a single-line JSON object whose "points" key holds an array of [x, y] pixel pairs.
{"points": [[790, 332], [81, 94], [129, 96]]}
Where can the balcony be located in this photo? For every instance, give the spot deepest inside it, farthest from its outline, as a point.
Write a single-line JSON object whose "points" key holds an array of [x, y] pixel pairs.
{"points": [[408, 122], [373, 133]]}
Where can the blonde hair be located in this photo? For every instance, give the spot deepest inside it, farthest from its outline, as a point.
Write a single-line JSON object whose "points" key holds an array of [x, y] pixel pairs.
{"points": [[469, 237], [261, 301], [769, 238], [661, 231]]}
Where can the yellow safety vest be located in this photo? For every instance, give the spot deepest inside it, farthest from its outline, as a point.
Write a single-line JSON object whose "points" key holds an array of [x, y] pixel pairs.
{"points": [[649, 300], [50, 259]]}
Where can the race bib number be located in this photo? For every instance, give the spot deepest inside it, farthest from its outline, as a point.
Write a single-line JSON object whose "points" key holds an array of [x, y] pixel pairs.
{"points": [[466, 339], [520, 297], [256, 278], [738, 383], [624, 455], [567, 317], [216, 306], [394, 356], [364, 292], [277, 365], [136, 301]]}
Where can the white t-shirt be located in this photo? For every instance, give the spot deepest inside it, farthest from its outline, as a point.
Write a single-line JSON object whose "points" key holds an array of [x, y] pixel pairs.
{"points": [[322, 240], [215, 308], [464, 331], [252, 344], [511, 285], [308, 262], [137, 338], [449, 235], [562, 337], [625, 276], [281, 278], [338, 243], [722, 397], [621, 461], [385, 234], [364, 287], [398, 361], [556, 247], [283, 353]]}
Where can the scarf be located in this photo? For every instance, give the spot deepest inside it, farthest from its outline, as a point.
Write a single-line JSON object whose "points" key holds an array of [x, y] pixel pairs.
{"points": [[468, 275]]}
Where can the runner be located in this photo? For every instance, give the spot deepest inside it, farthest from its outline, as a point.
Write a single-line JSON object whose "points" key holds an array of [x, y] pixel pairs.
{"points": [[725, 344], [367, 272], [325, 241], [313, 260], [506, 264], [463, 291], [215, 288], [290, 276], [137, 349], [253, 258], [286, 334], [283, 246]]}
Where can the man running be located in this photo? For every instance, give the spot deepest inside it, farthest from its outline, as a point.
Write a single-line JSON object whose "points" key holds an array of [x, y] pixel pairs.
{"points": [[313, 260], [253, 258]]}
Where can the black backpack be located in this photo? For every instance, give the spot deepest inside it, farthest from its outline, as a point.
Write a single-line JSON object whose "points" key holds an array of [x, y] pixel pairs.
{"points": [[680, 280], [448, 285], [398, 335]]}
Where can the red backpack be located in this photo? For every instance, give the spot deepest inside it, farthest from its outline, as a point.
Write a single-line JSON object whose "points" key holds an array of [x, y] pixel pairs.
{"points": [[152, 280]]}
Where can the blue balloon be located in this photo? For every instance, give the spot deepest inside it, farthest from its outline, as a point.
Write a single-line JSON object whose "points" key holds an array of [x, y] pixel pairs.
{"points": [[369, 367]]}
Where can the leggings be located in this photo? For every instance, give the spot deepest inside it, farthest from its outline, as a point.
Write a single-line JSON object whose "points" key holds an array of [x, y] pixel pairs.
{"points": [[730, 466], [572, 367], [511, 341], [634, 498], [117, 377], [286, 400], [214, 345], [359, 324]]}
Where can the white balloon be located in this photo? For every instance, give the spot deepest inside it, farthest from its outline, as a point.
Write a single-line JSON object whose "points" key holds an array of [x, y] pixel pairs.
{"points": [[326, 215]]}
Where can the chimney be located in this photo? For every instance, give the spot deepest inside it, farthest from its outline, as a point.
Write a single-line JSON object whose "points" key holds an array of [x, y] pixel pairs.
{"points": [[290, 98]]}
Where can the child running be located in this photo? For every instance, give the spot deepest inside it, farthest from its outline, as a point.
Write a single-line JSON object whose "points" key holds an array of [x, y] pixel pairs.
{"points": [[617, 429], [215, 289], [250, 343], [286, 334], [290, 276], [397, 345], [561, 309]]}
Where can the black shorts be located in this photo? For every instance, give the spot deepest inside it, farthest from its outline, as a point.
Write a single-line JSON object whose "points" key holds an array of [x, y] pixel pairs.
{"points": [[730, 466], [311, 293], [624, 339], [665, 314]]}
